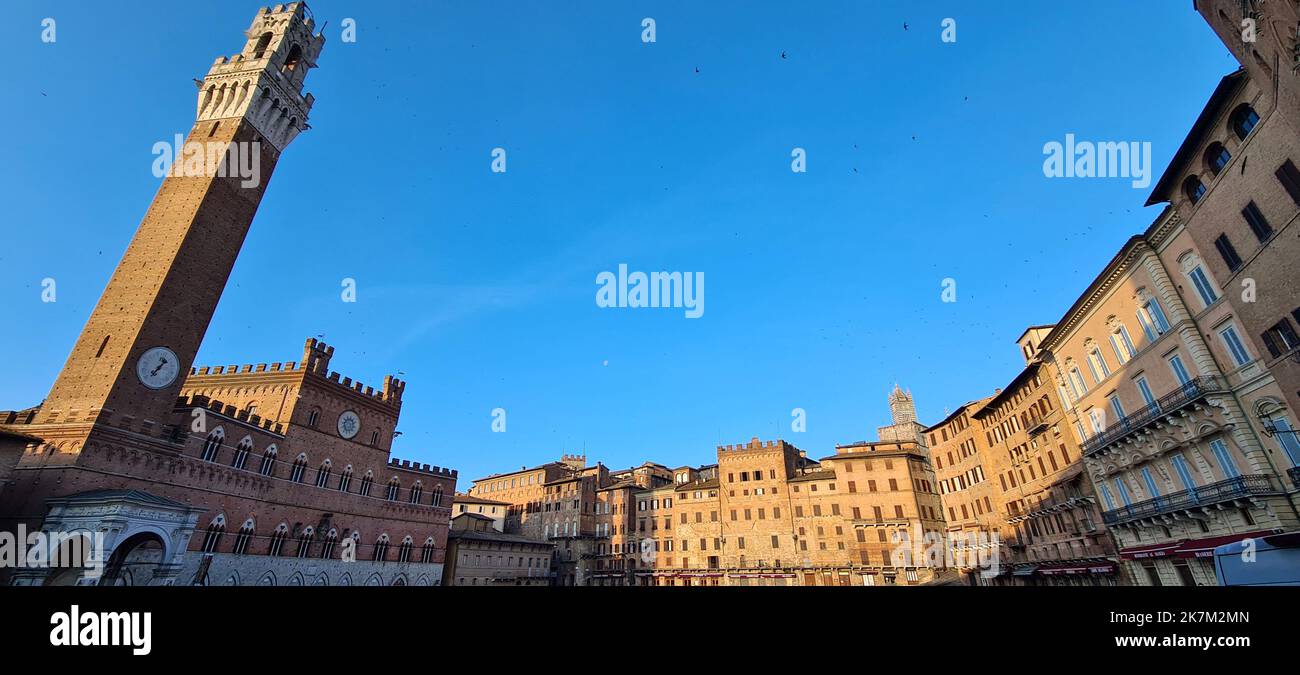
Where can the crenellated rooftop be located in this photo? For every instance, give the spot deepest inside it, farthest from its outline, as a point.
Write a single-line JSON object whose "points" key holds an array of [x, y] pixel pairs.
{"points": [[754, 444], [315, 362], [408, 465], [231, 411]]}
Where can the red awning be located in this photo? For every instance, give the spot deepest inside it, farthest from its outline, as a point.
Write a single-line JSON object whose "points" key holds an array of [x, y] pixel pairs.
{"points": [[1149, 551], [1204, 548], [1094, 568]]}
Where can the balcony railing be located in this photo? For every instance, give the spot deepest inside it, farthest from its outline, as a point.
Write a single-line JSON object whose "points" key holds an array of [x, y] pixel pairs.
{"points": [[1205, 495], [1294, 474], [1179, 398]]}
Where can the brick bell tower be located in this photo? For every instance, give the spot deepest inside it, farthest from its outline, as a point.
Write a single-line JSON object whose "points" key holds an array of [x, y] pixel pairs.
{"points": [[127, 367]]}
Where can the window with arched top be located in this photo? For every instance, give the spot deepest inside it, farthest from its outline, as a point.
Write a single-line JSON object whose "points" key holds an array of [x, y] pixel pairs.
{"points": [[244, 537], [416, 491], [366, 481], [241, 453], [212, 446], [1216, 157], [299, 468], [380, 554], [437, 495], [394, 486], [323, 474], [263, 41], [404, 551], [268, 461], [313, 416], [292, 59], [212, 538], [277, 539], [1194, 188], [345, 478], [426, 551], [1243, 120], [331, 540], [304, 541]]}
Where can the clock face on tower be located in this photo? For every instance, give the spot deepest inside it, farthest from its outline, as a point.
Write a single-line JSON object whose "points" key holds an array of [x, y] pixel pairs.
{"points": [[349, 424], [157, 367]]}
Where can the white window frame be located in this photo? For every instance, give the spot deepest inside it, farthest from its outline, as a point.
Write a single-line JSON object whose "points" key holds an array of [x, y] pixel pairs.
{"points": [[1224, 457], [1204, 288], [1144, 388], [1236, 348]]}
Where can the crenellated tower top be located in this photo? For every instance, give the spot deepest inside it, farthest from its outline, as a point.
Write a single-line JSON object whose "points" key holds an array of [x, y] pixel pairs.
{"points": [[263, 83]]}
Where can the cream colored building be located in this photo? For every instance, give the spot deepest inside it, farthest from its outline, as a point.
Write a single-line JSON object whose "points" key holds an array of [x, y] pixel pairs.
{"points": [[1173, 453], [484, 508]]}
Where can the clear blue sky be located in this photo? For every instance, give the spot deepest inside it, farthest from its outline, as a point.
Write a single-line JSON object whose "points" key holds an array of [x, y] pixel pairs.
{"points": [[822, 289]]}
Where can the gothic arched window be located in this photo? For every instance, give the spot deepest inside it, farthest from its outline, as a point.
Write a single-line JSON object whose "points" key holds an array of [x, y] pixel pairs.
{"points": [[323, 474], [277, 539], [241, 453], [268, 462], [299, 468], [331, 539], [381, 548], [304, 541], [213, 536], [212, 446], [244, 537]]}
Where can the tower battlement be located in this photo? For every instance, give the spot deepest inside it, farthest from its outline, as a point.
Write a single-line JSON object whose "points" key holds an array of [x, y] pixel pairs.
{"points": [[753, 444], [263, 83], [408, 465], [315, 361], [230, 411]]}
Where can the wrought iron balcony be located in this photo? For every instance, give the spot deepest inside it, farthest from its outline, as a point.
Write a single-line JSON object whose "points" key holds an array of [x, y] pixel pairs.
{"points": [[1205, 495], [1294, 474], [1187, 394]]}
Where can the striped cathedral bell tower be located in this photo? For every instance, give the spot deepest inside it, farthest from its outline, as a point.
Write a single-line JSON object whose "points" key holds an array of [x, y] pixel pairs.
{"points": [[127, 367]]}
